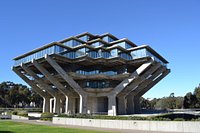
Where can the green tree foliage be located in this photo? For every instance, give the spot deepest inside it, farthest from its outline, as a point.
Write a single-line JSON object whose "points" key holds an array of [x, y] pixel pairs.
{"points": [[170, 102], [17, 95], [192, 100]]}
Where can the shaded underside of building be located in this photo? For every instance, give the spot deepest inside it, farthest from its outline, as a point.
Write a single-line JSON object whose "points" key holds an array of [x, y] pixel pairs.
{"points": [[96, 74]]}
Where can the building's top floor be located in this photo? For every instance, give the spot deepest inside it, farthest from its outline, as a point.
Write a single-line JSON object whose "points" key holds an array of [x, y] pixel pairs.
{"points": [[94, 46]]}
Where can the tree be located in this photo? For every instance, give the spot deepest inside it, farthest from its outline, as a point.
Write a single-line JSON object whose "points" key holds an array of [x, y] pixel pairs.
{"points": [[17, 95], [197, 95], [189, 100]]}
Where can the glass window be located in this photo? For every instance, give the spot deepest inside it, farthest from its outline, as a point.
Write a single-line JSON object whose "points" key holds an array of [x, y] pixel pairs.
{"points": [[97, 84], [80, 52], [85, 38], [37, 55], [96, 44], [72, 43], [124, 45], [125, 56], [138, 53], [94, 54], [108, 39], [114, 53], [105, 54]]}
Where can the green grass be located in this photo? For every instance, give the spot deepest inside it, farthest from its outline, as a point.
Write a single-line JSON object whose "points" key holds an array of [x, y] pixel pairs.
{"points": [[17, 127]]}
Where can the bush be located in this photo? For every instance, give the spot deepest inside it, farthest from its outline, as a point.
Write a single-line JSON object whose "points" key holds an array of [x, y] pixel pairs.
{"points": [[20, 112], [179, 119], [163, 117], [87, 116], [14, 112], [46, 116]]}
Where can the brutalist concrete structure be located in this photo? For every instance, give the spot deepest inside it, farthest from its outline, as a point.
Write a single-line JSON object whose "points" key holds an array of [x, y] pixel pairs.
{"points": [[96, 74]]}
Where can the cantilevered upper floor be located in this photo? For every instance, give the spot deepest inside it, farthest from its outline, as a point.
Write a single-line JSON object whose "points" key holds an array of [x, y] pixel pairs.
{"points": [[105, 46]]}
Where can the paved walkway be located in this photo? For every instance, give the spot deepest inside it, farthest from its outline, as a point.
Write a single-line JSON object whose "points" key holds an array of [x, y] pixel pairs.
{"points": [[85, 127]]}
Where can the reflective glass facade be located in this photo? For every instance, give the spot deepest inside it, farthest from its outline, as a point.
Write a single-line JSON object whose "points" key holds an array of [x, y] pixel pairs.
{"points": [[100, 50], [37, 55], [85, 38], [97, 84], [96, 44], [100, 53], [72, 43], [94, 72], [95, 49], [108, 39], [124, 45]]}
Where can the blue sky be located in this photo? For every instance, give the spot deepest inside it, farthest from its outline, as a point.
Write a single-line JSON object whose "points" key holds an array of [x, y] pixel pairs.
{"points": [[171, 27]]}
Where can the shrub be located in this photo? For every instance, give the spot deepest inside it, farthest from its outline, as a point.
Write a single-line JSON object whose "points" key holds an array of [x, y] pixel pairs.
{"points": [[46, 116], [179, 119], [14, 112], [163, 117], [22, 113]]}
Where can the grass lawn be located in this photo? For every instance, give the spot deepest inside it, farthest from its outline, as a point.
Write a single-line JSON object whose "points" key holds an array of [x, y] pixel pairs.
{"points": [[16, 127]]}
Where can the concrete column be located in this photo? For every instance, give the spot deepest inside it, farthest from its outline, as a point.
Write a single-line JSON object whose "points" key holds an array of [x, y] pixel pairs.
{"points": [[51, 105], [46, 105], [69, 105], [83, 104], [112, 105], [121, 105], [57, 106], [130, 105], [137, 105]]}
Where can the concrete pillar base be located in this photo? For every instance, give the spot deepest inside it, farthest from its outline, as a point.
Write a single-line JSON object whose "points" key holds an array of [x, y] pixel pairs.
{"points": [[121, 105], [83, 104], [46, 105], [130, 105], [57, 106], [112, 106]]}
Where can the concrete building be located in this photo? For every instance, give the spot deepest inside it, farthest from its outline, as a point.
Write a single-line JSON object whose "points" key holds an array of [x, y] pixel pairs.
{"points": [[86, 73]]}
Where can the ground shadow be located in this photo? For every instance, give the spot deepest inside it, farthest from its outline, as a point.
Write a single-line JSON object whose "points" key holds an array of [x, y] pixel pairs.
{"points": [[6, 132]]}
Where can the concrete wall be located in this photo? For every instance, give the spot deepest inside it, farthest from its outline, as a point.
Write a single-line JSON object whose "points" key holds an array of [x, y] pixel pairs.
{"points": [[34, 114], [16, 117], [173, 126]]}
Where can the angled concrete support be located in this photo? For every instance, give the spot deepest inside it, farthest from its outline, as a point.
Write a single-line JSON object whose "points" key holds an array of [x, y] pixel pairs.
{"points": [[130, 79], [71, 82], [154, 82], [46, 97], [140, 79], [112, 105], [64, 75], [46, 87], [54, 81], [143, 85]]}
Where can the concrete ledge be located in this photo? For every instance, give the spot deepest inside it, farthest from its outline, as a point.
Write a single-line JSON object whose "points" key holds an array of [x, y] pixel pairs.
{"points": [[5, 116], [170, 126], [17, 117]]}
